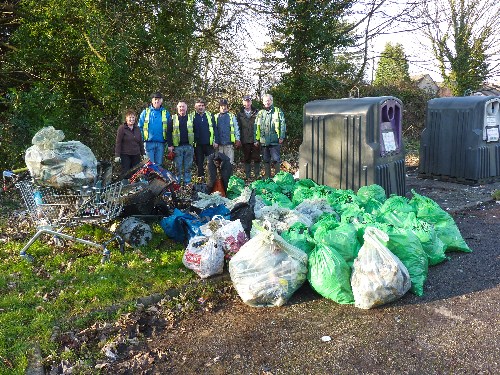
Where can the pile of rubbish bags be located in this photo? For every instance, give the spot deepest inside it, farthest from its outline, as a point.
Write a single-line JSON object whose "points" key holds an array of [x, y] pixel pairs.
{"points": [[354, 248]]}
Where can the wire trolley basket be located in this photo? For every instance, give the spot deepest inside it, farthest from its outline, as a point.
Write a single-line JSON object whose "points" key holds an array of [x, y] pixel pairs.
{"points": [[52, 210]]}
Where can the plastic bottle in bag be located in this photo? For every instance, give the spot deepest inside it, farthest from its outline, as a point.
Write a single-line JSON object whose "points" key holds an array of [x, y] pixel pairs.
{"points": [[38, 198]]}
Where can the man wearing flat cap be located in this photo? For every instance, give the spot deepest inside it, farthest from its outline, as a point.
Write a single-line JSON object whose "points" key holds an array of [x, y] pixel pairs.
{"points": [[153, 123], [251, 152], [204, 134], [227, 130]]}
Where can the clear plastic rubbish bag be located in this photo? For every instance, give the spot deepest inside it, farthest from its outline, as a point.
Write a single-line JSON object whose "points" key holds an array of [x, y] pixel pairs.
{"points": [[267, 270], [378, 276]]}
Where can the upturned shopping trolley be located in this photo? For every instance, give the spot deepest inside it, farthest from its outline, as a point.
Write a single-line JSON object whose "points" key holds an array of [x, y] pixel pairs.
{"points": [[54, 210]]}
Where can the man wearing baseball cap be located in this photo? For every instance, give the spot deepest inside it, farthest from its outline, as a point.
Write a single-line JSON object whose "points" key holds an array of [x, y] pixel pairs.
{"points": [[227, 130], [153, 123], [251, 152]]}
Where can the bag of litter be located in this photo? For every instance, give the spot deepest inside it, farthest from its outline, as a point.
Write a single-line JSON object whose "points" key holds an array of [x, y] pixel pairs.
{"points": [[267, 270], [204, 256], [229, 234], [60, 164], [232, 237], [378, 276], [446, 228], [329, 274]]}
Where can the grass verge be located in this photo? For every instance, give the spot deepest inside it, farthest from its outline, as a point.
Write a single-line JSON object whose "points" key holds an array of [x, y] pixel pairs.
{"points": [[68, 288]]}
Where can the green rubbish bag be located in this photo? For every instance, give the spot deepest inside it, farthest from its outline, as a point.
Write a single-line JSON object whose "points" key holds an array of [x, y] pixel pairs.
{"points": [[264, 186], [432, 245], [327, 220], [298, 236], [301, 193], [371, 197], [330, 275], [342, 238], [341, 199], [446, 229], [285, 181], [234, 187], [407, 247], [280, 199], [395, 210]]}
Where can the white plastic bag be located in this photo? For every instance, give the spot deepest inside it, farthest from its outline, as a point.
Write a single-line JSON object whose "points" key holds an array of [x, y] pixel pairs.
{"points": [[229, 234], [204, 256], [378, 276], [210, 228], [267, 270], [232, 237]]}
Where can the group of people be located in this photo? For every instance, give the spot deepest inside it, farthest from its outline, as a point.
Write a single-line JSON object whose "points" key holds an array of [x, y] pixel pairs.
{"points": [[198, 134]]}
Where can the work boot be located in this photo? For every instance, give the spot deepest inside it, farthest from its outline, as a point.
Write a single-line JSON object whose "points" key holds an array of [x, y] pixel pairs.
{"points": [[256, 170], [277, 168], [267, 170], [248, 171]]}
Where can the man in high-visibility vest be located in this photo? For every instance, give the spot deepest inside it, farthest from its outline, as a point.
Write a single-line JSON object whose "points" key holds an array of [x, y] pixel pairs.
{"points": [[204, 135], [270, 132], [226, 126], [180, 139], [153, 123]]}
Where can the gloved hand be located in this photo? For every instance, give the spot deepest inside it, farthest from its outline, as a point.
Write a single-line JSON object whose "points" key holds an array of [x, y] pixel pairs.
{"points": [[145, 157], [118, 159]]}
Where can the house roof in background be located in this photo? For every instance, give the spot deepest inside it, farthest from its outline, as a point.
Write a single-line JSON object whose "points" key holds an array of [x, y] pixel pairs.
{"points": [[489, 89]]}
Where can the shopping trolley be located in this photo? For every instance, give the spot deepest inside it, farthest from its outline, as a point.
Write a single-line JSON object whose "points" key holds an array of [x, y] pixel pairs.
{"points": [[53, 210]]}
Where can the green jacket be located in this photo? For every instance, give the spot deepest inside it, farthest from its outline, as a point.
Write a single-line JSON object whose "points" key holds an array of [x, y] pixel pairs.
{"points": [[270, 126]]}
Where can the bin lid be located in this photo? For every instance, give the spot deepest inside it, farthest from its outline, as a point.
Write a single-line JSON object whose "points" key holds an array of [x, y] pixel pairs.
{"points": [[346, 105], [460, 102]]}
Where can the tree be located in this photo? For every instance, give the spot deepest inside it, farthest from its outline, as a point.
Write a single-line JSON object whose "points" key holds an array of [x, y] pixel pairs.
{"points": [[9, 22], [392, 67], [309, 39], [78, 67], [464, 38]]}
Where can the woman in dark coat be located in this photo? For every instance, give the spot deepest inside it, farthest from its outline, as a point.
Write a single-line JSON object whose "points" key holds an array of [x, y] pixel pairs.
{"points": [[129, 149]]}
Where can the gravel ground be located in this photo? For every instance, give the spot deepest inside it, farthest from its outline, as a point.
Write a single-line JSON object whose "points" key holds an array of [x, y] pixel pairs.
{"points": [[451, 329]]}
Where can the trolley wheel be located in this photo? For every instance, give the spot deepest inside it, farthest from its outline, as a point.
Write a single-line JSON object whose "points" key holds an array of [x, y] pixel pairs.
{"points": [[58, 241], [122, 246], [29, 258], [105, 255]]}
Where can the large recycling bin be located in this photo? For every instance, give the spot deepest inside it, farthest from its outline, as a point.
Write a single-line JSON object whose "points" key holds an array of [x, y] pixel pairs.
{"points": [[354, 142], [460, 142]]}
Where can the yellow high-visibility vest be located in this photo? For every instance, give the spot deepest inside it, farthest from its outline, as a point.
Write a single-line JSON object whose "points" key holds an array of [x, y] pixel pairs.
{"points": [[176, 133], [163, 123], [210, 125]]}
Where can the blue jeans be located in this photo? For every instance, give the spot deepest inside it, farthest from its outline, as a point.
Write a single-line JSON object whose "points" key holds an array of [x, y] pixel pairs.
{"points": [[155, 151], [183, 162], [271, 153]]}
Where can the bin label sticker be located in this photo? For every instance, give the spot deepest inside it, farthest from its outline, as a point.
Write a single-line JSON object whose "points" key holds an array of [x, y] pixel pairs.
{"points": [[491, 121], [389, 141], [492, 134]]}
